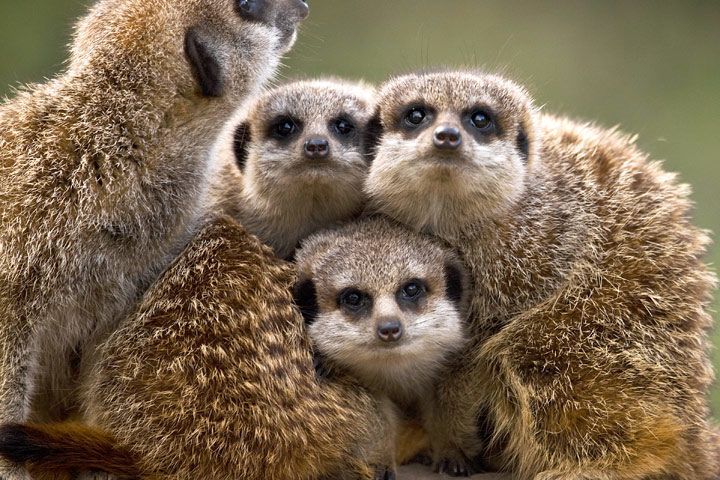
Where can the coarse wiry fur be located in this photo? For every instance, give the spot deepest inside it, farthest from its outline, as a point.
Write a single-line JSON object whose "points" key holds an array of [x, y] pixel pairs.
{"points": [[102, 171], [212, 377], [378, 257], [588, 357], [270, 186]]}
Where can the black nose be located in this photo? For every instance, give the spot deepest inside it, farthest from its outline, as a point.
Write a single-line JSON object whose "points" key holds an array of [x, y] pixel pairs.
{"points": [[252, 10], [390, 331], [447, 138], [317, 148], [301, 8]]}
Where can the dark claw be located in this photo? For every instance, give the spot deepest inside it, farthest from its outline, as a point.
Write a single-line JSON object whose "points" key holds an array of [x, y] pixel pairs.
{"points": [[454, 468], [384, 473]]}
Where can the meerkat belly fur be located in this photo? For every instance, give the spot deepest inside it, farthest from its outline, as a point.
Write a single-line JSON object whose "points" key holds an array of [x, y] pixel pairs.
{"points": [[294, 161], [588, 353], [103, 172], [212, 377], [383, 303]]}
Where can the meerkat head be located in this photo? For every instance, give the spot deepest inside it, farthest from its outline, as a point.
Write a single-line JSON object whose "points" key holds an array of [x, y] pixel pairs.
{"points": [[449, 148], [186, 48], [300, 150], [382, 302]]}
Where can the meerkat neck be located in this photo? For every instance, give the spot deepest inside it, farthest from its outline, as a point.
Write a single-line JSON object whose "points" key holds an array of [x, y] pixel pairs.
{"points": [[286, 216]]}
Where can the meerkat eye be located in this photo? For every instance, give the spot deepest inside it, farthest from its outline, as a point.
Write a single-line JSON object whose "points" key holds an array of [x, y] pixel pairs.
{"points": [[482, 121], [413, 290], [284, 128], [353, 299], [343, 127], [415, 116]]}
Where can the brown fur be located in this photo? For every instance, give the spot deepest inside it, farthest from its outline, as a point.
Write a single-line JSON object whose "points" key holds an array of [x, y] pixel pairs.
{"points": [[102, 173], [280, 194], [590, 312], [213, 378]]}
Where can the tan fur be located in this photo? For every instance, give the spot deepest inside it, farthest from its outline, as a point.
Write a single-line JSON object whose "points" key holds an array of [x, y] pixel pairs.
{"points": [[377, 259], [213, 378], [102, 174], [590, 308], [281, 195]]}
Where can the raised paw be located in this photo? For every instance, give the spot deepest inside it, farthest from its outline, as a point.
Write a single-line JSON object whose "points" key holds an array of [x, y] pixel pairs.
{"points": [[384, 473], [454, 468]]}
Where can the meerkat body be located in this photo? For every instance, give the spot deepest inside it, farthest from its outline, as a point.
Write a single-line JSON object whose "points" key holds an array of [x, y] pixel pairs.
{"points": [[384, 304], [294, 161], [212, 377], [588, 354], [103, 172]]}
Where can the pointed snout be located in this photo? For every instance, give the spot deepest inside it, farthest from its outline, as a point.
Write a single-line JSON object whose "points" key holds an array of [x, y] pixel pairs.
{"points": [[300, 8], [260, 10], [389, 329], [447, 137], [317, 147]]}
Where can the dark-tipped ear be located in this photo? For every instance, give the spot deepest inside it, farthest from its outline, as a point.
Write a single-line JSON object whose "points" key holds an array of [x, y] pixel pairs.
{"points": [[372, 136], [523, 143], [241, 140], [305, 297], [455, 282], [205, 68]]}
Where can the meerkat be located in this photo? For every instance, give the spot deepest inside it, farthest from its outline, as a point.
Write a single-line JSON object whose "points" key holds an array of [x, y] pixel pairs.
{"points": [[384, 304], [103, 170], [588, 352], [294, 161], [212, 377]]}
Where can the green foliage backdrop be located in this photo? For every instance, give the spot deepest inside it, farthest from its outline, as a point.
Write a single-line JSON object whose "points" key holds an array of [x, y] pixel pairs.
{"points": [[651, 67]]}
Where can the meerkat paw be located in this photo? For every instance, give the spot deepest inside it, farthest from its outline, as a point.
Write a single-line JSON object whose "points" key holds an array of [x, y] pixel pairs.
{"points": [[455, 467]]}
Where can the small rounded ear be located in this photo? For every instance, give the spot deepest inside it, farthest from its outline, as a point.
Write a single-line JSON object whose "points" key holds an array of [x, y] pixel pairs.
{"points": [[206, 69], [241, 140], [456, 283], [372, 136], [305, 296], [523, 143]]}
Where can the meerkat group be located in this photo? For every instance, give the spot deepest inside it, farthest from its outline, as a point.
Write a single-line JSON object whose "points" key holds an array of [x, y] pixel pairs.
{"points": [[529, 289]]}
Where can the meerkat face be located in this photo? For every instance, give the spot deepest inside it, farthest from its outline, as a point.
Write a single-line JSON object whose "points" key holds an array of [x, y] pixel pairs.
{"points": [[211, 48], [303, 143], [449, 147], [382, 302]]}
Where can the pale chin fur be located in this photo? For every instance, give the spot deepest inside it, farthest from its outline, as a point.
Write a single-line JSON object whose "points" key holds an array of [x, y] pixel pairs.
{"points": [[403, 372], [443, 196]]}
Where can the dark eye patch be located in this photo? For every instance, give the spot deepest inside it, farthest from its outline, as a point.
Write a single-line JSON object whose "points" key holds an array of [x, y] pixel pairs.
{"points": [[412, 293], [482, 123], [284, 127], [354, 301], [416, 117], [343, 127]]}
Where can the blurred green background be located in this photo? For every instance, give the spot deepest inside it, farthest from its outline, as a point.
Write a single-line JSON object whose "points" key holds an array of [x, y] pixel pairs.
{"points": [[652, 67]]}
